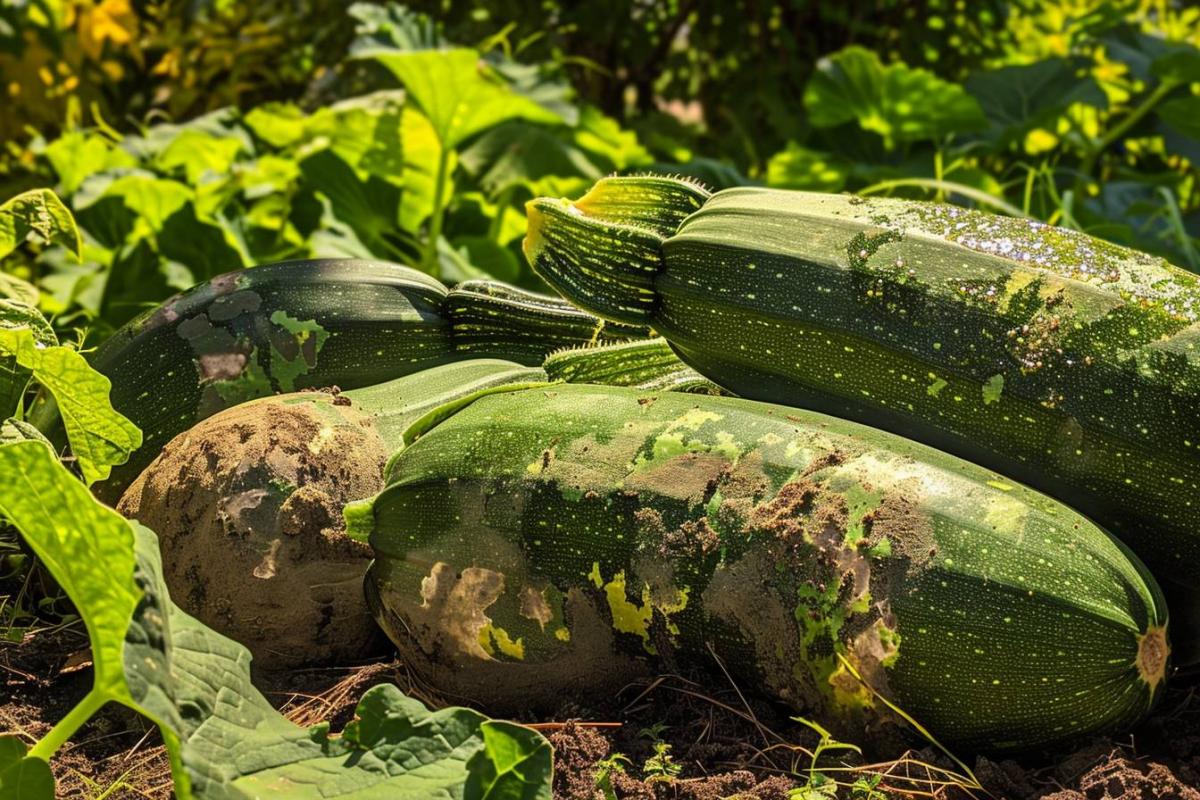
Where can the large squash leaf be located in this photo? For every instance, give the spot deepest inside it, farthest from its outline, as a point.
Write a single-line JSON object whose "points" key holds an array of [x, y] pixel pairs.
{"points": [[898, 102], [224, 738], [459, 93]]}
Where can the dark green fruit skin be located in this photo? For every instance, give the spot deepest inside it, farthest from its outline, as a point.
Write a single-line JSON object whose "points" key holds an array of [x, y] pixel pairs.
{"points": [[1060, 360], [564, 540], [312, 324]]}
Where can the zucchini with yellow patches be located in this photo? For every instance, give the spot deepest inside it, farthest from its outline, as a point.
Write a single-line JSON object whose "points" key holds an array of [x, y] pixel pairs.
{"points": [[541, 542], [1061, 360]]}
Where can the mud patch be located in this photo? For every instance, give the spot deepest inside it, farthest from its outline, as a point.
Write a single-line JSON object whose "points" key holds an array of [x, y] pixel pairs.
{"points": [[690, 477], [908, 531], [692, 539], [248, 513]]}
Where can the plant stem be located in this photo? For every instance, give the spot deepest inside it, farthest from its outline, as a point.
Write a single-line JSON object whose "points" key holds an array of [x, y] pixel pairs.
{"points": [[949, 187], [1117, 131], [502, 204], [435, 221], [938, 175], [66, 727]]}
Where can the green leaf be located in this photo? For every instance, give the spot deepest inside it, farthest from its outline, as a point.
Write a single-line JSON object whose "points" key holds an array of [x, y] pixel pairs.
{"points": [[797, 167], [277, 124], [393, 26], [23, 778], [370, 207], [612, 147], [39, 213], [490, 257], [365, 132], [1181, 64], [224, 738], [13, 376], [99, 436], [121, 209], [199, 153], [421, 153], [541, 83], [457, 91], [510, 766], [455, 264], [898, 102], [78, 154], [516, 153], [1182, 114], [76, 538], [14, 288], [16, 430], [1018, 99]]}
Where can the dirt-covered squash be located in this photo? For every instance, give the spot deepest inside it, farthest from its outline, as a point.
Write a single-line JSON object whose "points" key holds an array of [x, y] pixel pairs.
{"points": [[561, 540], [1058, 359]]}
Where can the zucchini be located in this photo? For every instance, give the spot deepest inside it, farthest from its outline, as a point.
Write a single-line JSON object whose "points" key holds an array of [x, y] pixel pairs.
{"points": [[312, 324], [248, 501], [563, 540], [1060, 360]]}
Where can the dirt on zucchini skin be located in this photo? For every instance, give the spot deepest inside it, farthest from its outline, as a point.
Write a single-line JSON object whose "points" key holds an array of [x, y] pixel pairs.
{"points": [[247, 505], [827, 564]]}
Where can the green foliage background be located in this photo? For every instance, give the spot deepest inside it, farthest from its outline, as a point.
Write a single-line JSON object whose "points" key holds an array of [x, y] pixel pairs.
{"points": [[194, 138]]}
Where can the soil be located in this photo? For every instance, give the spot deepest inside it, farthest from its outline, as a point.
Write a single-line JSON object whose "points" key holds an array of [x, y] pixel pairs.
{"points": [[723, 744], [257, 490]]}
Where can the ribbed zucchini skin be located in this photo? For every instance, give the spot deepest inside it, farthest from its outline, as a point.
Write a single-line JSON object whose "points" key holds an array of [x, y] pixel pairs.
{"points": [[1058, 359], [559, 541], [311, 324], [648, 364]]}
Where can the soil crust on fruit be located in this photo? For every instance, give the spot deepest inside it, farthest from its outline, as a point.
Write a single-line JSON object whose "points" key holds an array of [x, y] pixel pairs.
{"points": [[248, 506], [724, 742]]}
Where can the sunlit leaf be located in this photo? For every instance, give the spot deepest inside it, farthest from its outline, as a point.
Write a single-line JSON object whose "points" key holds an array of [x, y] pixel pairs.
{"points": [[100, 437], [14, 288], [898, 102], [421, 153], [798, 167], [198, 153], [277, 124], [14, 377], [456, 91], [37, 213], [78, 154], [609, 145], [225, 739]]}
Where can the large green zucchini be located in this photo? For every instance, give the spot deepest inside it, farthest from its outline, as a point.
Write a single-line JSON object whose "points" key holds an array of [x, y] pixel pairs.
{"points": [[312, 324], [1058, 359], [562, 540]]}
